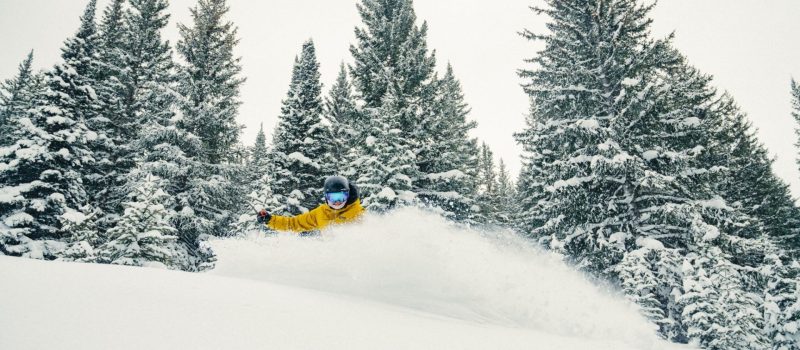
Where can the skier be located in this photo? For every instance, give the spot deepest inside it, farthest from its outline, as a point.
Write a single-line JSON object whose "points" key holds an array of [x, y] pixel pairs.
{"points": [[341, 205]]}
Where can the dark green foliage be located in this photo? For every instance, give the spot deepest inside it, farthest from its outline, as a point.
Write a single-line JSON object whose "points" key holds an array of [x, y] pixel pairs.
{"points": [[210, 80], [347, 127], [42, 172], [630, 159], [448, 156], [150, 77], [299, 143], [391, 54], [209, 87], [16, 97]]}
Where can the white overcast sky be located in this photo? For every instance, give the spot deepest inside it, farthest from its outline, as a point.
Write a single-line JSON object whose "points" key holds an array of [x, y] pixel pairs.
{"points": [[750, 46]]}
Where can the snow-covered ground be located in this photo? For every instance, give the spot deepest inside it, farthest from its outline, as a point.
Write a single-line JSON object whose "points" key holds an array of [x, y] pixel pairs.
{"points": [[408, 280]]}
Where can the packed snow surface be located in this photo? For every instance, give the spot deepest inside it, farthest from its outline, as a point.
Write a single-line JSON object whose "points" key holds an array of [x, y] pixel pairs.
{"points": [[407, 280]]}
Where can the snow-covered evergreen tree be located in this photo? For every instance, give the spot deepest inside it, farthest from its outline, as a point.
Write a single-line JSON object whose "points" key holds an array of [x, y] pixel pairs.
{"points": [[259, 190], [300, 139], [391, 53], [258, 160], [624, 139], [387, 167], [347, 129], [42, 173], [530, 194], [171, 154], [754, 188], [144, 235], [781, 299], [587, 83], [652, 277], [210, 80], [209, 85], [84, 237], [638, 279], [16, 98], [150, 71], [448, 157], [701, 309], [140, 86], [117, 153], [487, 172], [495, 193], [393, 74], [506, 194], [718, 313]]}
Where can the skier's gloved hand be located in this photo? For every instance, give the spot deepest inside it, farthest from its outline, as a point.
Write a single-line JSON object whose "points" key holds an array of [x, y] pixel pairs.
{"points": [[263, 216]]}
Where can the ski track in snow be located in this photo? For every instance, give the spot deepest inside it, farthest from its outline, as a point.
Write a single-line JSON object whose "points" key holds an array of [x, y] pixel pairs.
{"points": [[407, 280]]}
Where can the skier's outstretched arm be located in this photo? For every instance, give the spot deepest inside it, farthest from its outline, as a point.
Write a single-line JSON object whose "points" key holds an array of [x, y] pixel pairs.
{"points": [[299, 223]]}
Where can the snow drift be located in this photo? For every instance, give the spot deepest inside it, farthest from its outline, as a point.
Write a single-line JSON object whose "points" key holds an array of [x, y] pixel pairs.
{"points": [[401, 281]]}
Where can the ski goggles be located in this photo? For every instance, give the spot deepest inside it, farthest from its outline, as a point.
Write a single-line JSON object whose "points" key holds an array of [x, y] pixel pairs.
{"points": [[336, 197]]}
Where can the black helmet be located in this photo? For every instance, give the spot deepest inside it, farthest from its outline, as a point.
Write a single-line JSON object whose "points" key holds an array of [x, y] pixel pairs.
{"points": [[336, 184]]}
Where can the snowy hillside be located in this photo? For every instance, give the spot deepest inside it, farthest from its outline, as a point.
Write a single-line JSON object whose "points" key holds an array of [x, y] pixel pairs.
{"points": [[405, 281]]}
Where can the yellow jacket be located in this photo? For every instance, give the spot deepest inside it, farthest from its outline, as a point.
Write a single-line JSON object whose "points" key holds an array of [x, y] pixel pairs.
{"points": [[317, 219]]}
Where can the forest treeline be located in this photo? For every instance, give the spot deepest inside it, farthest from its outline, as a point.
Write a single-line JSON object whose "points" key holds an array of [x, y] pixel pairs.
{"points": [[636, 169]]}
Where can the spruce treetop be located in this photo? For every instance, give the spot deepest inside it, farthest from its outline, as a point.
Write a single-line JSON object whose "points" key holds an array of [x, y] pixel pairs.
{"points": [[144, 21], [13, 91], [391, 51], [111, 25], [339, 103], [210, 80], [79, 51], [302, 109], [208, 48]]}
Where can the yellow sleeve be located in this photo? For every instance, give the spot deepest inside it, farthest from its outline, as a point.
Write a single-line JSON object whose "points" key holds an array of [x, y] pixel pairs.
{"points": [[299, 223]]}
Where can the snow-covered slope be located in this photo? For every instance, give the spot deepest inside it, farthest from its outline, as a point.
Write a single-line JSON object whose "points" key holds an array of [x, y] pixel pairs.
{"points": [[408, 280]]}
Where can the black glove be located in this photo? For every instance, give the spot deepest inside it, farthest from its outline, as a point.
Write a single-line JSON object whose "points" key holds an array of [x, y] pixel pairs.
{"points": [[263, 216]]}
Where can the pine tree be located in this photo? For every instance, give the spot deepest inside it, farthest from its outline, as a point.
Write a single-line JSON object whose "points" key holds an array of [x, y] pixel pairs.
{"points": [[84, 237], [149, 78], [42, 173], [486, 179], [487, 175], [209, 87], [260, 194], [506, 192], [16, 97], [531, 195], [391, 54], [210, 80], [448, 157], [583, 90], [160, 143], [754, 188], [388, 165], [347, 129], [144, 235], [171, 155], [639, 281], [141, 85], [624, 140], [117, 153], [718, 313], [781, 299], [299, 141], [701, 310], [258, 161], [393, 74], [83, 54]]}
